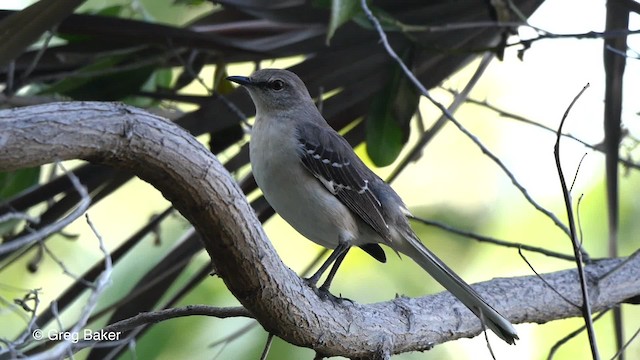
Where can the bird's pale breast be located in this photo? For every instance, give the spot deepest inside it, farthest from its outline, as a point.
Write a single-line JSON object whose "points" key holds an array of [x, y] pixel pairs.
{"points": [[311, 213]]}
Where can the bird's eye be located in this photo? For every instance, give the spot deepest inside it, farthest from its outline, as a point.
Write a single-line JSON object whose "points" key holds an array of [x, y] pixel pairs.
{"points": [[276, 85]]}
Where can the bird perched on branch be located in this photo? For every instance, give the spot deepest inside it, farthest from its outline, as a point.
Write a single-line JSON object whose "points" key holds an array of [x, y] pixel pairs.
{"points": [[310, 175]]}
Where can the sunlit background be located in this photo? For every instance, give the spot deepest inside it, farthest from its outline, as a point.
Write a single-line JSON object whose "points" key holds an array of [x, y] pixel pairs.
{"points": [[452, 182]]}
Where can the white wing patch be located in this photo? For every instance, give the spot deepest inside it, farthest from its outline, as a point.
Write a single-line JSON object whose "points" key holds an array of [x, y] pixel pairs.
{"points": [[332, 186]]}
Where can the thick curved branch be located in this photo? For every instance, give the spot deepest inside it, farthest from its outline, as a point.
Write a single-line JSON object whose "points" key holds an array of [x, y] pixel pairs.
{"points": [[200, 188]]}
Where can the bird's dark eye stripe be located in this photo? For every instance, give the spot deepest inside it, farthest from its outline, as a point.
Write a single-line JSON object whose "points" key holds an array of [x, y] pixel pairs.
{"points": [[262, 84], [273, 84]]}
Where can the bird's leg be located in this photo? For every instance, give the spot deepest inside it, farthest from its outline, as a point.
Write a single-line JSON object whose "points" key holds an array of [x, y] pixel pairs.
{"points": [[334, 269], [336, 257]]}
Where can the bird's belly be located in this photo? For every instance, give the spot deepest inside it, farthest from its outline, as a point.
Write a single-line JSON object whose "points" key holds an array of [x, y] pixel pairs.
{"points": [[317, 215]]}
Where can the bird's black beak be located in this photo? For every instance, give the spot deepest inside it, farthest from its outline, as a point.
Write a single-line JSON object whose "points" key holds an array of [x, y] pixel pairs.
{"points": [[242, 80]]}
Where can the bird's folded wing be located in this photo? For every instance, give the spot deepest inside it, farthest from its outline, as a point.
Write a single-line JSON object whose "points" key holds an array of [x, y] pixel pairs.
{"points": [[331, 160]]}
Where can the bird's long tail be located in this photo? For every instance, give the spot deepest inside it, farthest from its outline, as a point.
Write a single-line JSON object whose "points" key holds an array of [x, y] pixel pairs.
{"points": [[414, 248]]}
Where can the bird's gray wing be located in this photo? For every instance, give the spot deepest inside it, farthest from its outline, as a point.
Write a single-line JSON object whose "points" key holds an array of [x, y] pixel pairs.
{"points": [[330, 158]]}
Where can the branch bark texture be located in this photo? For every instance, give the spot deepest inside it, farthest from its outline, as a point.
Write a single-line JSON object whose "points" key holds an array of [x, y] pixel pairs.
{"points": [[199, 187]]}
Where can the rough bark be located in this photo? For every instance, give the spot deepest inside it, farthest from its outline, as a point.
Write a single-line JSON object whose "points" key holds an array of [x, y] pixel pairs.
{"points": [[191, 178]]}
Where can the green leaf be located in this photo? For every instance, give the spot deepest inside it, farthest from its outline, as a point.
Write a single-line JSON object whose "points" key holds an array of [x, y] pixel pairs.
{"points": [[222, 85], [23, 28], [163, 78], [12, 183], [189, 2], [73, 82], [108, 83], [341, 12], [389, 118], [114, 10]]}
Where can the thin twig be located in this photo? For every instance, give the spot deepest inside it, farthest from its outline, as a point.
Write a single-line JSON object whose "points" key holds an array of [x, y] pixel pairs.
{"points": [[570, 336], [526, 43], [19, 216], [623, 348], [153, 317], [586, 305], [575, 177], [64, 268], [621, 265], [42, 233], [229, 104], [39, 54], [180, 293], [492, 240], [486, 336], [509, 115], [545, 281], [27, 335], [445, 112], [267, 347], [580, 235], [234, 335], [430, 134], [66, 347], [189, 69], [622, 53], [140, 289]]}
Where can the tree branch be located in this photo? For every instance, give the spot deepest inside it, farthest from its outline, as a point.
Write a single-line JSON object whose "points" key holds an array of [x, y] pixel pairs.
{"points": [[199, 187]]}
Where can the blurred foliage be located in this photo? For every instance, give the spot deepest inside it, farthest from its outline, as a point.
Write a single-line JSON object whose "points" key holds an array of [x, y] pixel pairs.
{"points": [[120, 51]]}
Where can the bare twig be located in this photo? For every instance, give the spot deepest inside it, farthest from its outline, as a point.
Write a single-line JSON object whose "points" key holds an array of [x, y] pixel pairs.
{"points": [[267, 347], [635, 56], [83, 205], [140, 289], [586, 305], [26, 336], [19, 216], [629, 259], [211, 91], [186, 64], [153, 317], [445, 112], [575, 177], [64, 268], [623, 348], [545, 281], [66, 346], [492, 240], [580, 235], [39, 54], [526, 43], [428, 135], [234, 335], [486, 336], [509, 115], [570, 336]]}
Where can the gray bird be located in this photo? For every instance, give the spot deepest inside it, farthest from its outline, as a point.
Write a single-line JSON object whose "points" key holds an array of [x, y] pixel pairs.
{"points": [[310, 175]]}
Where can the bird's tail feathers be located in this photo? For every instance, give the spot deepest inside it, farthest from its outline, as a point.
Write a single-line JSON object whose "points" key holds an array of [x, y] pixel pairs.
{"points": [[414, 248]]}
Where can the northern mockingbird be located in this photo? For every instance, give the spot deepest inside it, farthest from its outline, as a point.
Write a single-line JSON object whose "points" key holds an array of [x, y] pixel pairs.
{"points": [[310, 175]]}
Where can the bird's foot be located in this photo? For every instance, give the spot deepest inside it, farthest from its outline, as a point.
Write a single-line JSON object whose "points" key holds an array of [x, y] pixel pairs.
{"points": [[324, 293]]}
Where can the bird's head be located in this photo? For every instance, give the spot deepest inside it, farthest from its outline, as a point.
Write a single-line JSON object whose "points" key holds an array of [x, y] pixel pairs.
{"points": [[275, 90]]}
